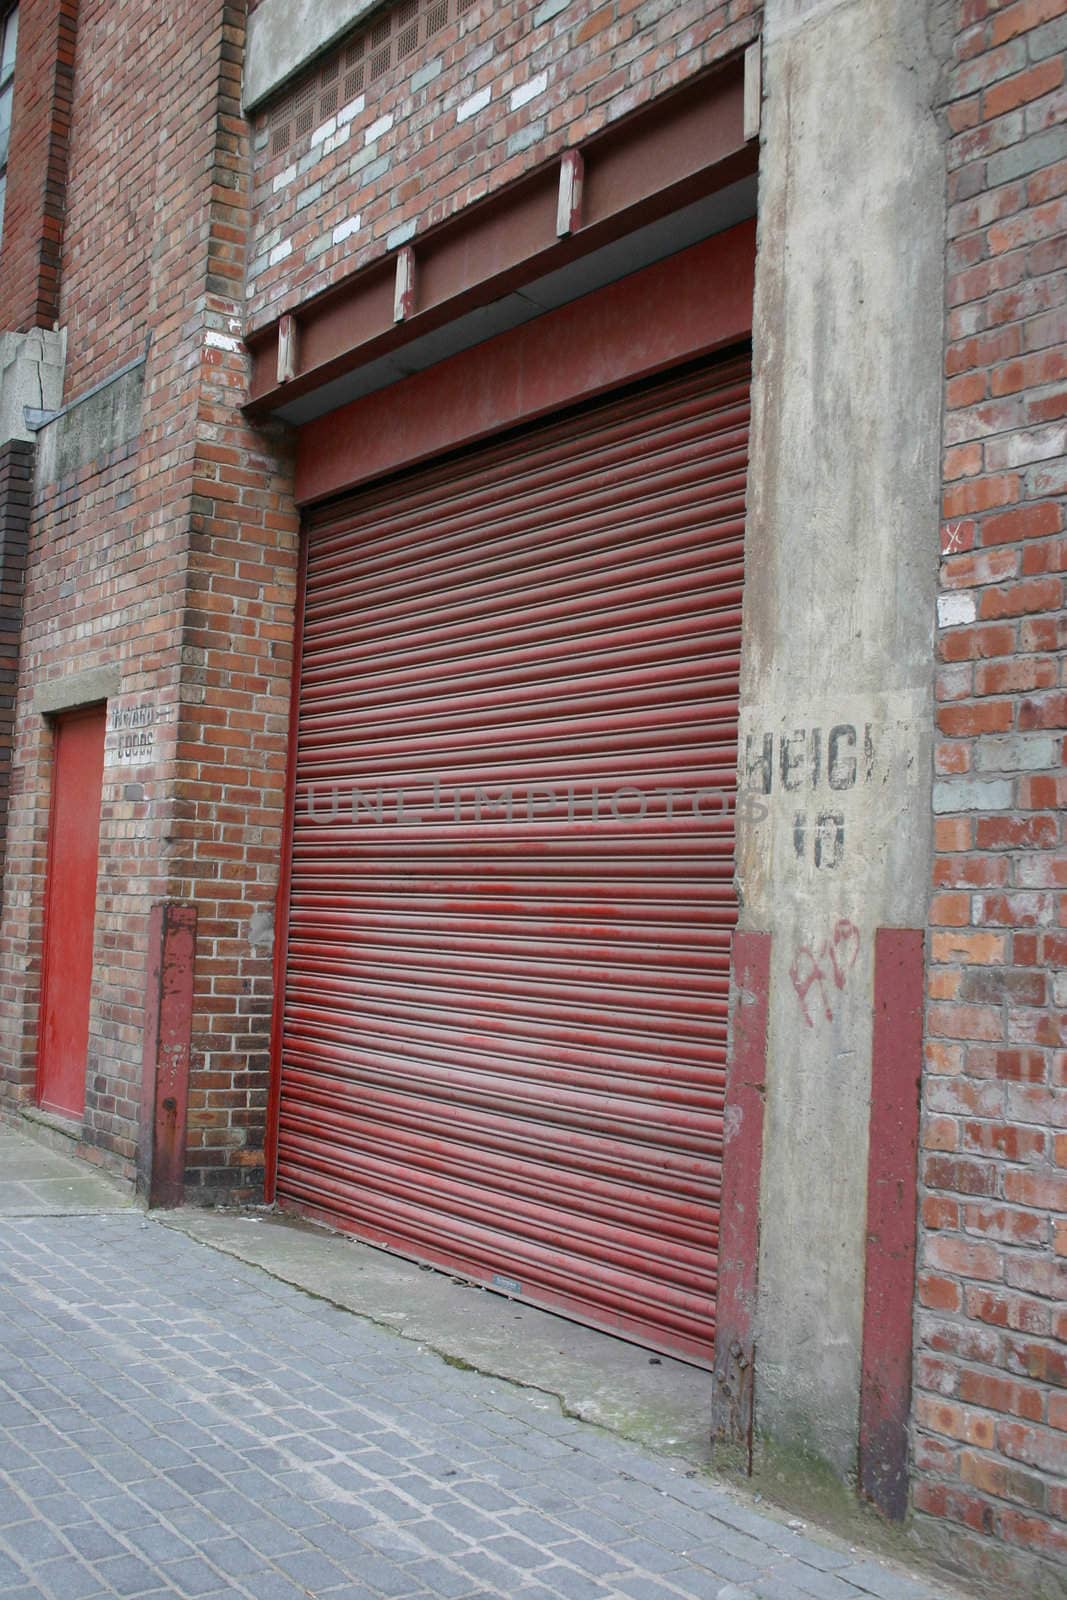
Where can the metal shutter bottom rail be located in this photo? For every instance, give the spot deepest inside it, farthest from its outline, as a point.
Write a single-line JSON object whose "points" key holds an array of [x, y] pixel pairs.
{"points": [[503, 1042]]}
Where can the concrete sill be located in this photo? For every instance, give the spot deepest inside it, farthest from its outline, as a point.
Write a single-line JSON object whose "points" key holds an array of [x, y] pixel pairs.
{"points": [[67, 1127]]}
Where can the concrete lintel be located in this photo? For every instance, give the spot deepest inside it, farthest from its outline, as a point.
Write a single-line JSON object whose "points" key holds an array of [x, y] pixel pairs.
{"points": [[92, 425], [76, 689], [284, 35]]}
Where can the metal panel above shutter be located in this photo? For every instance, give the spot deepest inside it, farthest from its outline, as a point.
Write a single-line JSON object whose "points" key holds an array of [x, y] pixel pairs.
{"points": [[503, 1045]]}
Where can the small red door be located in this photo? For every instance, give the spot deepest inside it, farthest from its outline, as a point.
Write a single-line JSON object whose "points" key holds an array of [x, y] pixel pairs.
{"points": [[70, 907]]}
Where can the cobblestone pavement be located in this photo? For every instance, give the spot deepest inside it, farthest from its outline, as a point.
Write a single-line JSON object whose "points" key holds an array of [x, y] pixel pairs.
{"points": [[174, 1422]]}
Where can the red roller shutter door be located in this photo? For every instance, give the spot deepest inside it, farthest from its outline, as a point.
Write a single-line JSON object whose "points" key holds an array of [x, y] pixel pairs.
{"points": [[503, 1042]]}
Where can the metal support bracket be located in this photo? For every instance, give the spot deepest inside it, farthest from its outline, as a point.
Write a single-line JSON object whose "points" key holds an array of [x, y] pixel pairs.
{"points": [[404, 295], [569, 209], [288, 340]]}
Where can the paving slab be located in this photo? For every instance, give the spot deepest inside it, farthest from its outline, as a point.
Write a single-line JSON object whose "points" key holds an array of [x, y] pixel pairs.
{"points": [[39, 1182]]}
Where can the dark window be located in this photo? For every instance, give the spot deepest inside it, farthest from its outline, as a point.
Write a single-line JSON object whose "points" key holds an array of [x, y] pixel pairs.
{"points": [[9, 32]]}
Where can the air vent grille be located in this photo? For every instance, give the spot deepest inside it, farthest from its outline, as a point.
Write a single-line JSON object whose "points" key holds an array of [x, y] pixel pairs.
{"points": [[358, 64]]}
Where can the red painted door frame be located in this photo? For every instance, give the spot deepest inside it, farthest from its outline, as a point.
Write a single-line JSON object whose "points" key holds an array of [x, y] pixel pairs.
{"points": [[691, 304], [70, 904]]}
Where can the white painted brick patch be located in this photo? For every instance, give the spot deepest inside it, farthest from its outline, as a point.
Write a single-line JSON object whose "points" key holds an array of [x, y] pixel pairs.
{"points": [[476, 103], [953, 610], [345, 230], [528, 91], [352, 109], [377, 129]]}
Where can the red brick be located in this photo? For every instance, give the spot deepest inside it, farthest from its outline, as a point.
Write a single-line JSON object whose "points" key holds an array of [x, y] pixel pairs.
{"points": [[950, 910], [1044, 556], [965, 390], [1022, 88], [966, 499], [1047, 407], [1016, 1227], [979, 567], [953, 833], [1034, 1534], [1042, 793], [1020, 674], [940, 1294], [1045, 1190], [982, 949], [1025, 522], [965, 461], [960, 1176], [1030, 372], [1003, 1139], [964, 644], [983, 716], [1033, 1446], [983, 350], [1035, 594], [1001, 1394], [1021, 17], [1043, 633], [963, 1258], [964, 1022], [1005, 1482], [1015, 833], [1043, 711], [939, 1211], [1018, 1066]]}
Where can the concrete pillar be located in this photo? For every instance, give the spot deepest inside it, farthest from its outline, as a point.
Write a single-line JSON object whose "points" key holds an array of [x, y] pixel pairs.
{"points": [[836, 720], [31, 377]]}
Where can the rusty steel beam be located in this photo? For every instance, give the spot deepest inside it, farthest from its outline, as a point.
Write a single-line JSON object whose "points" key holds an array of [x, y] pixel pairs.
{"points": [[633, 328], [664, 157]]}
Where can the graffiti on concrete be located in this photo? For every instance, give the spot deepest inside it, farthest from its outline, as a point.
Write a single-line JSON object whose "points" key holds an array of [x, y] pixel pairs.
{"points": [[844, 756], [826, 840], [839, 758], [828, 963]]}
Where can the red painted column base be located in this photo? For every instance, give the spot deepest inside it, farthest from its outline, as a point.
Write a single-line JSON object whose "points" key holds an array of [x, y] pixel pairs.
{"points": [[167, 1045], [892, 1202], [735, 1348]]}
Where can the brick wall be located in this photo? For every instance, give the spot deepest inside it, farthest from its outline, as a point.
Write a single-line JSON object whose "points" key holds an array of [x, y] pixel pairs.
{"points": [[172, 555], [991, 1370], [37, 165], [82, 541], [498, 91], [237, 649], [123, 130]]}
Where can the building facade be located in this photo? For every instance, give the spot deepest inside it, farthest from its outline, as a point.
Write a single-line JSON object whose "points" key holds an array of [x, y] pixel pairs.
{"points": [[532, 604]]}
